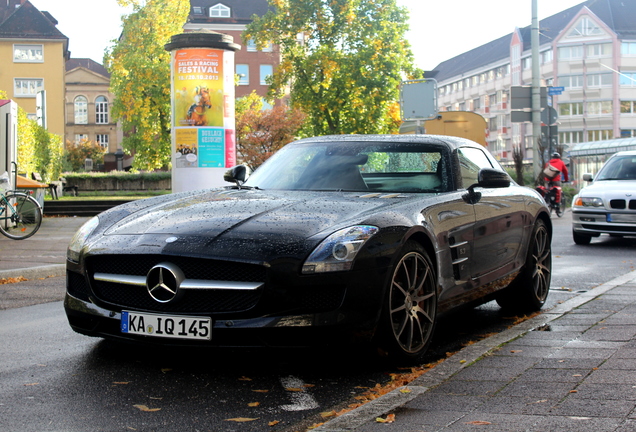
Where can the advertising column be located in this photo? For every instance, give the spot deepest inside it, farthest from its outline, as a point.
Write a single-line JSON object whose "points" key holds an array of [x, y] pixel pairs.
{"points": [[203, 125]]}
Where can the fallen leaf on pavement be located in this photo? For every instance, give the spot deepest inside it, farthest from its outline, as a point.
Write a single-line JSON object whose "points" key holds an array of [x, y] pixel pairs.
{"points": [[478, 422], [273, 423], [253, 404], [327, 414], [144, 408], [389, 419], [260, 391], [242, 419]]}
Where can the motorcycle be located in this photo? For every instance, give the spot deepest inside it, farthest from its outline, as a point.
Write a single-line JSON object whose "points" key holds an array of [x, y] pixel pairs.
{"points": [[554, 198]]}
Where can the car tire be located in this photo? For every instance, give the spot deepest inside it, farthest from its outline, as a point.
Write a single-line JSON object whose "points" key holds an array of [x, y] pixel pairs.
{"points": [[409, 309], [529, 290], [581, 239]]}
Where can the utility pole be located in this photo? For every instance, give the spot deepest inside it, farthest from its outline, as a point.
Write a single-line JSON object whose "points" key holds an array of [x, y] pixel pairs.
{"points": [[536, 92]]}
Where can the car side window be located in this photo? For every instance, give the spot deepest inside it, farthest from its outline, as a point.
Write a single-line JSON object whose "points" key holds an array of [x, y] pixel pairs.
{"points": [[471, 160]]}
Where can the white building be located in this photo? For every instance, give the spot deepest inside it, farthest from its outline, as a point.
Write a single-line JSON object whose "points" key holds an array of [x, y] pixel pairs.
{"points": [[589, 49]]}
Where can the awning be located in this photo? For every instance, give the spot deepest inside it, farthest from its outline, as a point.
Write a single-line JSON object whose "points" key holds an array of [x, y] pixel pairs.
{"points": [[603, 147]]}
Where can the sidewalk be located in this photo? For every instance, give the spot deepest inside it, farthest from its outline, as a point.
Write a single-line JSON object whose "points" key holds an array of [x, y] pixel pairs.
{"points": [[572, 368], [42, 255]]}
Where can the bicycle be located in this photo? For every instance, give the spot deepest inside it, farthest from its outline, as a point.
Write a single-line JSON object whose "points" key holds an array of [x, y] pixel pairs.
{"points": [[20, 213], [550, 196]]}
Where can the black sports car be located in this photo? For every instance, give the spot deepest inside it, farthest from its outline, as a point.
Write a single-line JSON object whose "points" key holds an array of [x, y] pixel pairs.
{"points": [[371, 237]]}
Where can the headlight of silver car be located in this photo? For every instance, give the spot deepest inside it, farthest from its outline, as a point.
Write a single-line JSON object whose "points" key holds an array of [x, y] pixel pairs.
{"points": [[588, 202], [337, 252], [77, 242]]}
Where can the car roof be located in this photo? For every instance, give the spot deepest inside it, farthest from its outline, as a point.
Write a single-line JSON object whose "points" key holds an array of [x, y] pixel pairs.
{"points": [[626, 153], [449, 141]]}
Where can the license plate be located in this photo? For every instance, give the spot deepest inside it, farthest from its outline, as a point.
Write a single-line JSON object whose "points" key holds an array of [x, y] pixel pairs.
{"points": [[621, 218], [180, 327]]}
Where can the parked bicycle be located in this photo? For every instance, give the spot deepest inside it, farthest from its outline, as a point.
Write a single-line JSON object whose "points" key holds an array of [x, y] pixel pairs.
{"points": [[20, 213]]}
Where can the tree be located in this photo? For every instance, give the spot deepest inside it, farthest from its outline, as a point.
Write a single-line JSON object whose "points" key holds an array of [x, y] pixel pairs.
{"points": [[345, 73], [260, 133], [140, 78], [77, 153]]}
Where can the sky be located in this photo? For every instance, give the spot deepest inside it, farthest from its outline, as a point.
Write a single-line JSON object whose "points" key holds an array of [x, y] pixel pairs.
{"points": [[440, 29]]}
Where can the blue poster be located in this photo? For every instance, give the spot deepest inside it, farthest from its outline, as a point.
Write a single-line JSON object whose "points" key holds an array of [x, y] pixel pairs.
{"points": [[211, 147]]}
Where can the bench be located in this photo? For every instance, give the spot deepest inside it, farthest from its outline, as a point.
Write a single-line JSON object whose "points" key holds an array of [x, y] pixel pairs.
{"points": [[74, 190], [51, 186]]}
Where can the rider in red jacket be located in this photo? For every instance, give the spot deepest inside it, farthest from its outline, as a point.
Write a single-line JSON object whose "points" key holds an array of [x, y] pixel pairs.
{"points": [[558, 164]]}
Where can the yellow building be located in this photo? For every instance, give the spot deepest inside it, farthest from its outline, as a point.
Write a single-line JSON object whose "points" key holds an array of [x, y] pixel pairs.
{"points": [[34, 54]]}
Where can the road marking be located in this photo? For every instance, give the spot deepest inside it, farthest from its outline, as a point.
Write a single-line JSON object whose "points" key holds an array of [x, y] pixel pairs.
{"points": [[301, 400]]}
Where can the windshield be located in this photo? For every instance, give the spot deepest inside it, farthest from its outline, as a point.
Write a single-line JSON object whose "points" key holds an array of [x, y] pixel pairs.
{"points": [[357, 167], [618, 168]]}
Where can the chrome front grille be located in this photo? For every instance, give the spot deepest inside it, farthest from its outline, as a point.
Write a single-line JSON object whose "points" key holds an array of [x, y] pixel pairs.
{"points": [[136, 296]]}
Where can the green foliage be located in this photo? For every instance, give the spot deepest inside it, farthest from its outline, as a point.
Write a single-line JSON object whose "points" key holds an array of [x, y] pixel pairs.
{"points": [[122, 176], [38, 150], [76, 154], [346, 74], [140, 78], [260, 133]]}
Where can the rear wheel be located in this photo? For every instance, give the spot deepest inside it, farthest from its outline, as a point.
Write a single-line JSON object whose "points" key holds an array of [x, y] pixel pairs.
{"points": [[530, 288], [410, 307], [22, 216]]}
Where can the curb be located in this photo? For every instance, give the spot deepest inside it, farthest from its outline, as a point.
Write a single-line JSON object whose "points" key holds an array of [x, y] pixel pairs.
{"points": [[458, 361], [35, 272]]}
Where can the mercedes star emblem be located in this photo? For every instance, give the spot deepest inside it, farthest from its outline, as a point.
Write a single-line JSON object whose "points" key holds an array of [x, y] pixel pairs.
{"points": [[163, 281]]}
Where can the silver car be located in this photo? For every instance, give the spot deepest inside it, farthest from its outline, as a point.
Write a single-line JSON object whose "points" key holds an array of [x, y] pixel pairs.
{"points": [[608, 205]]}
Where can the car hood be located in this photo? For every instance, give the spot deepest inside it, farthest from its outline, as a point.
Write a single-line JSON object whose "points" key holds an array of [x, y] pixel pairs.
{"points": [[257, 223], [610, 189]]}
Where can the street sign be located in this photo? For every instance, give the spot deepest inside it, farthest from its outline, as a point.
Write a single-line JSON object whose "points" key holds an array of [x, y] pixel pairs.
{"points": [[520, 116], [555, 90], [549, 116], [418, 99], [521, 97]]}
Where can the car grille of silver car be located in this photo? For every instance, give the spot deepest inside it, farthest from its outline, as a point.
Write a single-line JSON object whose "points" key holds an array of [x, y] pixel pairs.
{"points": [[195, 301], [621, 204]]}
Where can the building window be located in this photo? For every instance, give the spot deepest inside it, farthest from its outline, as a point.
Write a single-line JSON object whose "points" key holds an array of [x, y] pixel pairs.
{"points": [[628, 48], [28, 53], [569, 82], [628, 78], [527, 63], [599, 50], [571, 52], [570, 137], [102, 140], [266, 72], [599, 135], [219, 11], [476, 103], [80, 108], [627, 107], [101, 110], [197, 10], [599, 80], [599, 108], [243, 72], [585, 27], [24, 87], [628, 133], [571, 109], [80, 138], [546, 57], [475, 80]]}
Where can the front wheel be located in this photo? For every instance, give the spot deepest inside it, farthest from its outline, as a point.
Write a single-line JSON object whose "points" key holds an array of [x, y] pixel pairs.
{"points": [[581, 239], [410, 306], [530, 288], [21, 216]]}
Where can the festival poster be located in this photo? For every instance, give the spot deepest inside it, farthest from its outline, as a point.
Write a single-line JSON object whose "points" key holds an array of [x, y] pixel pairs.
{"points": [[198, 88]]}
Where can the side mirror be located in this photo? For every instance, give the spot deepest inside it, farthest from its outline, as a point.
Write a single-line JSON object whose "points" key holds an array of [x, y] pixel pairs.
{"points": [[237, 174], [492, 178], [588, 177]]}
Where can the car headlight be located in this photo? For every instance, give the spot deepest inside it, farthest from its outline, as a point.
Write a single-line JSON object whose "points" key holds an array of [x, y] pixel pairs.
{"points": [[77, 242], [588, 202], [337, 252]]}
